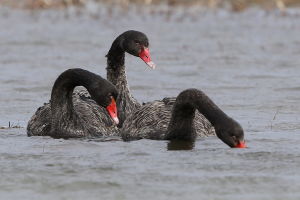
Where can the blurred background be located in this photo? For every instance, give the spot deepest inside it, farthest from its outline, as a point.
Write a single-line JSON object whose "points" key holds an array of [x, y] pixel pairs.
{"points": [[235, 5]]}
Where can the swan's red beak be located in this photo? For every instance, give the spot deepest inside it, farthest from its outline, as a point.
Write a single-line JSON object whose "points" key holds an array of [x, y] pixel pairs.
{"points": [[145, 56], [241, 144], [112, 110]]}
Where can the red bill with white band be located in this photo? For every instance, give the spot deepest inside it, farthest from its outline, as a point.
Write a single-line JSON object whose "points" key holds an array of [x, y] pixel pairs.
{"points": [[112, 110], [145, 56]]}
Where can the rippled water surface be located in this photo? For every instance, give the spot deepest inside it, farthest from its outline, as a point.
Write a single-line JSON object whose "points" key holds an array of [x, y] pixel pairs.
{"points": [[248, 63]]}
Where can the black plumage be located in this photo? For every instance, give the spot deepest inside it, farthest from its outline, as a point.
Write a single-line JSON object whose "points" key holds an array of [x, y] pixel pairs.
{"points": [[177, 119], [67, 116], [132, 42]]}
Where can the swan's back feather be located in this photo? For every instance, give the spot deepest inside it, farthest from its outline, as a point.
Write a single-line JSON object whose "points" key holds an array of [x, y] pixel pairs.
{"points": [[152, 119], [39, 124], [92, 119]]}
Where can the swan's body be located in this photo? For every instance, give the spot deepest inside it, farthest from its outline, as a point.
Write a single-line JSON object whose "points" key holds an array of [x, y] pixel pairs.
{"points": [[71, 117], [133, 42], [181, 125], [152, 119], [40, 122]]}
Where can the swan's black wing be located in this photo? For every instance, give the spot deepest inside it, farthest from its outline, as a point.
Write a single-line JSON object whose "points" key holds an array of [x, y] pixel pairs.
{"points": [[39, 124], [95, 118], [92, 117], [152, 119]]}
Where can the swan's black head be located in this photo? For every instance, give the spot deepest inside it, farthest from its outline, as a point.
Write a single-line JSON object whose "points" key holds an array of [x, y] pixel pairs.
{"points": [[232, 134], [136, 43], [105, 94]]}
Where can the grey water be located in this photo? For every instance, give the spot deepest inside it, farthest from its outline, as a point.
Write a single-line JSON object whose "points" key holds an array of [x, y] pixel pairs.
{"points": [[248, 63]]}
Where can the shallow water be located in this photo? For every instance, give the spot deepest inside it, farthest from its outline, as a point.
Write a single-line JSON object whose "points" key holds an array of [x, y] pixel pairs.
{"points": [[248, 63]]}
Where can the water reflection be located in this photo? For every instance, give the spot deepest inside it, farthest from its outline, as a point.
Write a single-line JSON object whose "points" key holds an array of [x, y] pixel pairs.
{"points": [[177, 145]]}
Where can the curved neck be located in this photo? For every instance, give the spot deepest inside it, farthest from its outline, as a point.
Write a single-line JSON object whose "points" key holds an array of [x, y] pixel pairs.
{"points": [[181, 125], [115, 62], [61, 96], [210, 110], [116, 74]]}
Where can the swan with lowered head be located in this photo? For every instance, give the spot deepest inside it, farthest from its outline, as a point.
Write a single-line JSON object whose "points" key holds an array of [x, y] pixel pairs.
{"points": [[181, 123], [69, 118]]}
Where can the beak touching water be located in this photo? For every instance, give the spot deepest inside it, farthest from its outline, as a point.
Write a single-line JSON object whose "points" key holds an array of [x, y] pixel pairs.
{"points": [[145, 56], [112, 110], [241, 144]]}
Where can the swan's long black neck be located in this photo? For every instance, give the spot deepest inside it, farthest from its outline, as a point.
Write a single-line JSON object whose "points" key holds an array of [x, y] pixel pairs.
{"points": [[116, 75], [116, 62], [62, 110], [182, 121]]}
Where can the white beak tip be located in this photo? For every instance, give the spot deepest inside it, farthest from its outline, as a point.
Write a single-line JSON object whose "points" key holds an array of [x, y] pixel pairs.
{"points": [[151, 65], [116, 120]]}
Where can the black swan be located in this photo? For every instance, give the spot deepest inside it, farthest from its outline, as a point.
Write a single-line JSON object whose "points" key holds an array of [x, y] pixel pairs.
{"points": [[133, 42], [181, 124], [71, 118]]}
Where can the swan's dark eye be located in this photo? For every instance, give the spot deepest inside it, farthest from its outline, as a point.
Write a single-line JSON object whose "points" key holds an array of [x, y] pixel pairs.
{"points": [[109, 95], [234, 138], [138, 44]]}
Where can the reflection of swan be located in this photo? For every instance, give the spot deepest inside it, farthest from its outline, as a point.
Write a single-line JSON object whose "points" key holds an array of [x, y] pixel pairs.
{"points": [[76, 119], [180, 145], [181, 124], [133, 42]]}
